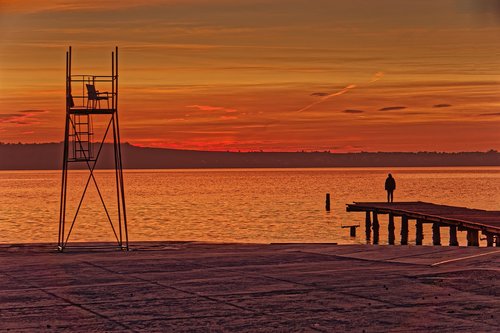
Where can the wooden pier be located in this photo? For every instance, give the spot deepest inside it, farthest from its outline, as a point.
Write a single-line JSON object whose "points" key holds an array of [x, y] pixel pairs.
{"points": [[473, 221]]}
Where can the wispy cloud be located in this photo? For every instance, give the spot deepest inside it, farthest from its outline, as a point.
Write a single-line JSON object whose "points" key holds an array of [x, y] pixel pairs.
{"points": [[393, 108], [228, 117], [441, 106], [24, 117], [212, 108], [33, 111], [35, 6], [353, 111], [493, 114]]}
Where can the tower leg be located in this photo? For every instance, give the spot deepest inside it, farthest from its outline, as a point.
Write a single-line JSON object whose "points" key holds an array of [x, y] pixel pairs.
{"points": [[118, 182], [64, 184]]}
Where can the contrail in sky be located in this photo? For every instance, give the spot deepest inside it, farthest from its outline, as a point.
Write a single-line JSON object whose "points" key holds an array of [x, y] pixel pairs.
{"points": [[377, 76], [324, 98]]}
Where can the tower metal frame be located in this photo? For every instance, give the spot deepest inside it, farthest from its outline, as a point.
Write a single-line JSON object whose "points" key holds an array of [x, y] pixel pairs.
{"points": [[79, 147]]}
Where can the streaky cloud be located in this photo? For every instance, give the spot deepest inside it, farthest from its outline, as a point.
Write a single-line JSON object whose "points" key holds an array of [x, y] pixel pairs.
{"points": [[441, 106], [212, 108], [353, 111], [228, 117], [393, 108], [494, 114], [33, 111], [24, 117]]}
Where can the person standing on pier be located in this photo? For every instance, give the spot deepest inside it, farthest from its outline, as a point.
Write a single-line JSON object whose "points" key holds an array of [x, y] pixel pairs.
{"points": [[390, 186]]}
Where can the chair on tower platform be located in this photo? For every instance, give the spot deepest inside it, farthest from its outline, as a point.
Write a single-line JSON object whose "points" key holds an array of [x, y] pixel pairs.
{"points": [[94, 97]]}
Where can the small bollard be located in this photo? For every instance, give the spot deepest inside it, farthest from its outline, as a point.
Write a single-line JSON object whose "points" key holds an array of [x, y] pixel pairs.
{"points": [[353, 231], [327, 202]]}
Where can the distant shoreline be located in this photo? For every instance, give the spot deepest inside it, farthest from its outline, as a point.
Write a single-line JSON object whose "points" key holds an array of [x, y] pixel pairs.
{"points": [[48, 156], [385, 168]]}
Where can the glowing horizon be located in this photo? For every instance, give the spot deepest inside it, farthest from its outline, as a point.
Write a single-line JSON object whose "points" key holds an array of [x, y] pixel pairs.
{"points": [[268, 75]]}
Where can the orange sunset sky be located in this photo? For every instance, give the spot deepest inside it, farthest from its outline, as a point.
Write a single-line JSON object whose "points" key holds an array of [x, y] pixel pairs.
{"points": [[272, 75]]}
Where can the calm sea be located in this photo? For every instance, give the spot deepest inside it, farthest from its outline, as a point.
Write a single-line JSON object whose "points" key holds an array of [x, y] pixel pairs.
{"points": [[233, 205]]}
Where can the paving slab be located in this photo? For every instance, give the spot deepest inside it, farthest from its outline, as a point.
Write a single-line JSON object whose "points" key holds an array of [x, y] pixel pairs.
{"points": [[203, 287]]}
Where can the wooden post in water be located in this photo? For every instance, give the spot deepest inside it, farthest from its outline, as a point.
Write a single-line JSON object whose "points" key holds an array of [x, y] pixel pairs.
{"points": [[327, 202], [489, 239], [453, 236], [376, 228], [390, 229], [419, 231], [352, 230], [498, 240], [472, 237], [368, 225], [404, 230], [436, 234]]}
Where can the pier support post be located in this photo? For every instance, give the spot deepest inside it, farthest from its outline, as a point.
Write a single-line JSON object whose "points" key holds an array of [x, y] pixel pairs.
{"points": [[352, 230], [327, 202], [390, 229], [376, 228], [489, 239], [453, 236], [368, 226], [419, 232], [404, 230], [436, 234], [472, 237], [497, 241]]}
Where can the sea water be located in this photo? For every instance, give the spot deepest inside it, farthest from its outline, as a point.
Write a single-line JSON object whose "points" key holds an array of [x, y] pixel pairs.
{"points": [[232, 205]]}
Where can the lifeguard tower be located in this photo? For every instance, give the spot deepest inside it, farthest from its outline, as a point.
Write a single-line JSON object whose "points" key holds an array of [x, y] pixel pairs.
{"points": [[85, 103]]}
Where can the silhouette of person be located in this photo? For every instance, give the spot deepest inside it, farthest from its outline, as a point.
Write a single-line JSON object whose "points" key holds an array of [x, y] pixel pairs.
{"points": [[390, 186]]}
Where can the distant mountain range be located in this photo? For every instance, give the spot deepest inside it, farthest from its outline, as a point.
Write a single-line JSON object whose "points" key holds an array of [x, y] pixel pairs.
{"points": [[48, 156]]}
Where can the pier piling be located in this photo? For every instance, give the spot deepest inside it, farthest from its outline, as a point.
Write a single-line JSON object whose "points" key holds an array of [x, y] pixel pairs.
{"points": [[368, 225], [327, 202], [390, 229], [472, 237], [404, 230], [376, 228], [453, 236], [489, 239], [419, 232], [436, 234]]}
